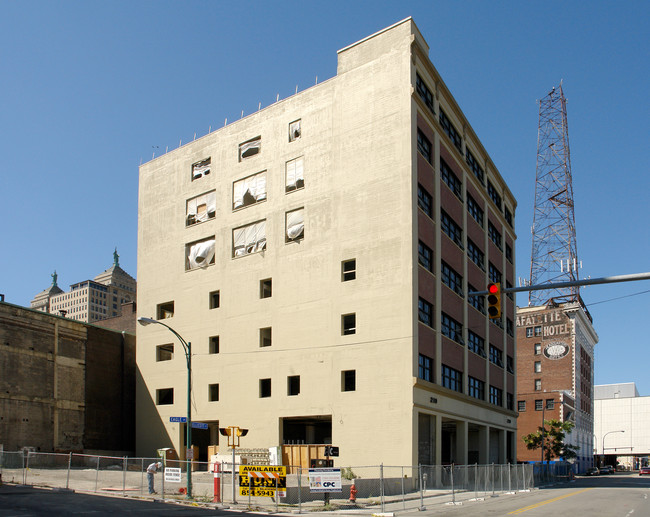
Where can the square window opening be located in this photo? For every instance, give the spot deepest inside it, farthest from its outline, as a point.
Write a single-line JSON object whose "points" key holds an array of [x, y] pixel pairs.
{"points": [[165, 397], [200, 169], [199, 254], [165, 310], [250, 148], [165, 352]]}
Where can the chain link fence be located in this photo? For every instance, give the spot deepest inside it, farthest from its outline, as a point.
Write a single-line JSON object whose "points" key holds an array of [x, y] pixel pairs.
{"points": [[371, 488]]}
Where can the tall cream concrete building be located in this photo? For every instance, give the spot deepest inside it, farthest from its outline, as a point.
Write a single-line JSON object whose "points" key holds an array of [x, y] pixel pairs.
{"points": [[317, 255]]}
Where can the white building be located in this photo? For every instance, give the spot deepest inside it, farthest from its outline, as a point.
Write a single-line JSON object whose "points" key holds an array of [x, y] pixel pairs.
{"points": [[621, 425]]}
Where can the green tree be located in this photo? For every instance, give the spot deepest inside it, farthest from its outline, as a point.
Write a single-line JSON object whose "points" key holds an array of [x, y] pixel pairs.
{"points": [[551, 436]]}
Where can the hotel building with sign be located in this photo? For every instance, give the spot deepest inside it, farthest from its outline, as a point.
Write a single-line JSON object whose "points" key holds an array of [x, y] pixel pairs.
{"points": [[317, 254], [555, 375]]}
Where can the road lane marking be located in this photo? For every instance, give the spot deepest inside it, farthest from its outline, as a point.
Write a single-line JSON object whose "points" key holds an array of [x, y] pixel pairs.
{"points": [[533, 506]]}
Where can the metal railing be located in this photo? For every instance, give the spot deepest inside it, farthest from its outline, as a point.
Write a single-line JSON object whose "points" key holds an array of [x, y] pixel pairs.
{"points": [[372, 488]]}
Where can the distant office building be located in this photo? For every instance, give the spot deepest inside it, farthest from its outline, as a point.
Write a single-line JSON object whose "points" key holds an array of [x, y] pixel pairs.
{"points": [[317, 255], [621, 425], [555, 375], [42, 301], [90, 300]]}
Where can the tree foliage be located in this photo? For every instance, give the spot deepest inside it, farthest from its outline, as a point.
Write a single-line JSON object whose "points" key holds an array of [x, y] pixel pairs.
{"points": [[552, 436]]}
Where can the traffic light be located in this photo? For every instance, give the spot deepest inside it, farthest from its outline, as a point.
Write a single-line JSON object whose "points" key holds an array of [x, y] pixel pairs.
{"points": [[494, 301]]}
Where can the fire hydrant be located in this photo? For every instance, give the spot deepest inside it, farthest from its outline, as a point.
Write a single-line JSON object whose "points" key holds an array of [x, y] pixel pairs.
{"points": [[353, 493]]}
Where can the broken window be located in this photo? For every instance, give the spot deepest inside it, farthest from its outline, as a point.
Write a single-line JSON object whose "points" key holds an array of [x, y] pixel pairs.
{"points": [[293, 385], [199, 254], [265, 337], [200, 169], [249, 191], [348, 270], [348, 324], [214, 345], [201, 208], [213, 392], [165, 352], [348, 380], [295, 175], [165, 310], [215, 299], [165, 396], [266, 288], [250, 148], [265, 388], [249, 239], [294, 130], [295, 225]]}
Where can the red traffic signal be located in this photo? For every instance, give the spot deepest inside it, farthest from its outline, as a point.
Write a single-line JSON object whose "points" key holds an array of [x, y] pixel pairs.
{"points": [[494, 301]]}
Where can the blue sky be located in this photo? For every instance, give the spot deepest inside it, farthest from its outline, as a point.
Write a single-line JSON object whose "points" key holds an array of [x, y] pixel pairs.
{"points": [[89, 90]]}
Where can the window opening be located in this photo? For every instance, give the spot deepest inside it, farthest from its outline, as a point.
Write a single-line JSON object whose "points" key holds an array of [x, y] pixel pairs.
{"points": [[200, 169], [250, 148], [348, 270], [294, 131], [295, 224], [266, 288], [265, 388], [165, 352], [293, 385], [213, 392], [295, 175], [165, 396], [348, 380], [201, 208], [249, 190], [265, 337], [165, 310], [348, 324], [199, 254], [215, 299], [249, 239], [214, 345]]}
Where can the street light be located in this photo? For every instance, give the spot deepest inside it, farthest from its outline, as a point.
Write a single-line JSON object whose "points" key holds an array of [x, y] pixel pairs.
{"points": [[610, 432], [187, 348]]}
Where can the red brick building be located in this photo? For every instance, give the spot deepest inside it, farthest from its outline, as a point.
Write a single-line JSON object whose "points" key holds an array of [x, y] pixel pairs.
{"points": [[555, 352]]}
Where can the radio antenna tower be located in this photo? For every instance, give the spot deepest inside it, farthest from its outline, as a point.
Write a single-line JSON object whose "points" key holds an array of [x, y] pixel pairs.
{"points": [[555, 256]]}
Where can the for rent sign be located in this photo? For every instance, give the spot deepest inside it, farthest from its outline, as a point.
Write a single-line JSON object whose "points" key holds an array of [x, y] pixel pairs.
{"points": [[325, 480]]}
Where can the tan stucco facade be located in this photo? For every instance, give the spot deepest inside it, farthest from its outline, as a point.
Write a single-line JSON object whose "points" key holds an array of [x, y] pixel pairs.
{"points": [[359, 202]]}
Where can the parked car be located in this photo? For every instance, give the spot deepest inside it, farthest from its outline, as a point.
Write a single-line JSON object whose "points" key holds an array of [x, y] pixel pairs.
{"points": [[606, 469], [645, 471], [592, 471]]}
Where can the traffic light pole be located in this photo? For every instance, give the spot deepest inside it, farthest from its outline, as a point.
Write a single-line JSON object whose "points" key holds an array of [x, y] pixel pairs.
{"points": [[573, 283]]}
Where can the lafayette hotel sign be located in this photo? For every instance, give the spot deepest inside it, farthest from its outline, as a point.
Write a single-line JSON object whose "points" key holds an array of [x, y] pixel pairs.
{"points": [[553, 329]]}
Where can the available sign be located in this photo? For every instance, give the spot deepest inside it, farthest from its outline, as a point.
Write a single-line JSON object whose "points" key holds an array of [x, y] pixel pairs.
{"points": [[172, 475], [325, 480], [262, 480]]}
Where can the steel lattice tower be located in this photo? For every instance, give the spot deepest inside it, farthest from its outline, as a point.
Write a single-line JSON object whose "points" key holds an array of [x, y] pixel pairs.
{"points": [[555, 256]]}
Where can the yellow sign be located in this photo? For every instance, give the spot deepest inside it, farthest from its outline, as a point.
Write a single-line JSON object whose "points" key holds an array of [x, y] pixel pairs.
{"points": [[262, 480]]}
